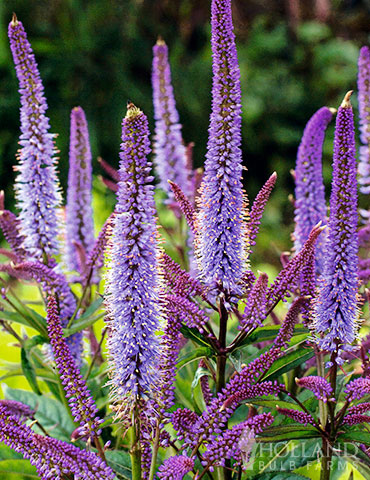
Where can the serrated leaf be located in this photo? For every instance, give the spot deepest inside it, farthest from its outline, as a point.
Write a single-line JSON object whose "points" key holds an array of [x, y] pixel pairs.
{"points": [[288, 432], [86, 319], [120, 462], [288, 362], [51, 414], [193, 355]]}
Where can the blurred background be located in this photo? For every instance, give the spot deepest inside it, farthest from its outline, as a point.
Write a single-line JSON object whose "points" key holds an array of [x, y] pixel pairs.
{"points": [[295, 56]]}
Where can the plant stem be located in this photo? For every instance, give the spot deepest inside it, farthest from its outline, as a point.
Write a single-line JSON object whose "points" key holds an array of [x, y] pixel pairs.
{"points": [[327, 453], [323, 409], [154, 453], [135, 450]]}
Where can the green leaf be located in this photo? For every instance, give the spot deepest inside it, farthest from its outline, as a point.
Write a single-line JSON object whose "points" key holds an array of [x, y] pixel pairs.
{"points": [[288, 432], [262, 402], [51, 414], [194, 335], [17, 467], [356, 457], [288, 362], [29, 318], [355, 436], [29, 371], [193, 355], [120, 462], [86, 319], [269, 332]]}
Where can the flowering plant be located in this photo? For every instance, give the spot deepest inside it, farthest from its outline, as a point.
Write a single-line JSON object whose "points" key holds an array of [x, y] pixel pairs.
{"points": [[204, 364]]}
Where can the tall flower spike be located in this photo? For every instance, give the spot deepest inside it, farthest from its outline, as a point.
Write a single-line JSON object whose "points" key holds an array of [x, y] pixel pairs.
{"points": [[363, 84], [132, 294], [169, 150], [310, 205], [221, 243], [79, 398], [336, 312], [37, 188], [255, 309], [79, 215]]}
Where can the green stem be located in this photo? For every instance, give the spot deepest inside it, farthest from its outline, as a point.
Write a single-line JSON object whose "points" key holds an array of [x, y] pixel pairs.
{"points": [[323, 409], [154, 453], [327, 453], [135, 450]]}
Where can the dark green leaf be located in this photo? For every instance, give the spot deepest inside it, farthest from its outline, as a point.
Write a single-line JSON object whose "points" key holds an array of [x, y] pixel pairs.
{"points": [[49, 412], [288, 362], [120, 462], [86, 319], [355, 436], [29, 371], [194, 335], [264, 402], [194, 355], [269, 332], [288, 432]]}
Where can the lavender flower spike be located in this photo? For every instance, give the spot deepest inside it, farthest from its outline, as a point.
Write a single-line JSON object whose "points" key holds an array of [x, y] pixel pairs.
{"points": [[363, 83], [310, 205], [37, 188], [79, 215], [132, 294], [336, 312], [169, 149], [80, 401], [221, 242], [175, 468]]}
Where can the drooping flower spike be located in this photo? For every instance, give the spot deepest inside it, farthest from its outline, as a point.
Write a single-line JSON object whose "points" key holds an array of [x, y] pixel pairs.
{"points": [[132, 293], [52, 458], [79, 215], [37, 188], [363, 84], [169, 149], [310, 205], [335, 311], [221, 241], [82, 405]]}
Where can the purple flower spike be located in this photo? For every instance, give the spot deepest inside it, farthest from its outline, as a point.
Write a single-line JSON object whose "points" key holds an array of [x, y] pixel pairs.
{"points": [[183, 421], [82, 405], [184, 204], [360, 408], [363, 83], [52, 458], [37, 188], [18, 409], [132, 294], [169, 149], [298, 416], [79, 215], [175, 468], [232, 443], [221, 242], [336, 312], [258, 208], [357, 389], [356, 419], [310, 205], [255, 309], [318, 385]]}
